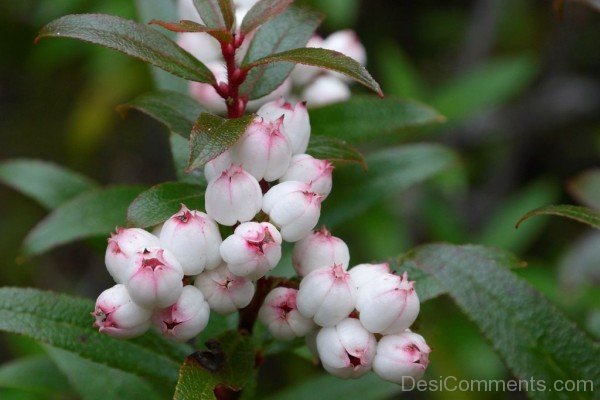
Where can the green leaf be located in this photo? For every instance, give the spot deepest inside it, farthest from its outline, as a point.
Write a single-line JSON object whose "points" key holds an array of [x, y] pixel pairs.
{"points": [[48, 184], [353, 120], [334, 150], [160, 202], [586, 188], [65, 322], [191, 26], [218, 14], [95, 381], [261, 12], [287, 31], [93, 213], [531, 335], [323, 58], [390, 171], [35, 374], [212, 135], [174, 110], [131, 38], [581, 214], [180, 151], [398, 74], [234, 372]]}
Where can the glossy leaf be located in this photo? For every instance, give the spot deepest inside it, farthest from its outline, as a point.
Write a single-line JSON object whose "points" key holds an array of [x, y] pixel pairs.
{"points": [[191, 26], [577, 213], [212, 135], [323, 58], [261, 12], [34, 374], [160, 202], [586, 188], [131, 38], [334, 150], [390, 171], [48, 184], [180, 151], [230, 366], [289, 30], [217, 14], [174, 110], [353, 120], [93, 213], [534, 339]]}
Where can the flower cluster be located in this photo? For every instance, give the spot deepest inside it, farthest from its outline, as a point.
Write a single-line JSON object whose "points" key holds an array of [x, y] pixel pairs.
{"points": [[314, 85]]}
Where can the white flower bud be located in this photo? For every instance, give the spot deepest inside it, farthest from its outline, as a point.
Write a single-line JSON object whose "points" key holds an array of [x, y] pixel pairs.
{"points": [[224, 291], [233, 196], [263, 150], [296, 123], [347, 43], [154, 278], [205, 94], [402, 355], [326, 89], [217, 165], [388, 304], [364, 273], [317, 250], [303, 74], [347, 349], [186, 318], [317, 173], [121, 246], [117, 315], [201, 45], [194, 239], [280, 315], [253, 250], [294, 207], [327, 295]]}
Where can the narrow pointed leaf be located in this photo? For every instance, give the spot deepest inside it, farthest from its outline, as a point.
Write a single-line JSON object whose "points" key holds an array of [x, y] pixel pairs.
{"points": [[334, 150], [261, 12], [131, 38], [191, 26], [212, 135], [577, 213], [160, 202], [217, 14], [323, 58]]}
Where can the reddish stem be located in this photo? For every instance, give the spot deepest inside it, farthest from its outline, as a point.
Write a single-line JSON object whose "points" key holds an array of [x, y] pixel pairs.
{"points": [[230, 91]]}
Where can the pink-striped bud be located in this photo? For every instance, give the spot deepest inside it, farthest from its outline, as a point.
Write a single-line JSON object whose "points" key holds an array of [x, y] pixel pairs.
{"points": [[253, 250], [217, 165], [364, 273], [346, 350], [117, 315], [327, 295], [296, 123], [294, 208], [121, 246], [326, 89], [347, 43], [388, 304], [186, 318], [317, 173], [234, 196], [400, 356], [224, 291], [263, 150], [154, 278], [194, 239], [280, 314], [318, 250]]}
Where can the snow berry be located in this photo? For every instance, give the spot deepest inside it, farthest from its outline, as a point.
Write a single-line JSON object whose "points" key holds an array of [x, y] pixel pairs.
{"points": [[387, 304], [317, 250], [154, 278], [224, 291], [233, 196], [296, 123], [217, 165], [253, 250], [184, 319], [401, 355], [347, 349], [117, 315], [294, 207], [327, 295], [121, 246], [194, 238], [364, 273], [307, 169], [280, 314], [324, 90]]}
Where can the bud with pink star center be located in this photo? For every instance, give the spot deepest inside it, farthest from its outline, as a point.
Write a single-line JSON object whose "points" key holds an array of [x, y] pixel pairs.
{"points": [[280, 314], [122, 245], [224, 291], [117, 315], [401, 355], [186, 318]]}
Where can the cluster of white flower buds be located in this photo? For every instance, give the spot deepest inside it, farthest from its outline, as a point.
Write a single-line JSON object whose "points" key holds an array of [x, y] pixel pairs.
{"points": [[316, 86]]}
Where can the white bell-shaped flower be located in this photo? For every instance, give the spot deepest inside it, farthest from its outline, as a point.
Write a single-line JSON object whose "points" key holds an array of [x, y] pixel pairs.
{"points": [[400, 356], [186, 318], [280, 314], [318, 174], [296, 123], [317, 250], [117, 315], [122, 245], [224, 291]]}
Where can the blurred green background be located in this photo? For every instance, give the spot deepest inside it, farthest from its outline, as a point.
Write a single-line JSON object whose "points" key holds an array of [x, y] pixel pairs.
{"points": [[520, 89]]}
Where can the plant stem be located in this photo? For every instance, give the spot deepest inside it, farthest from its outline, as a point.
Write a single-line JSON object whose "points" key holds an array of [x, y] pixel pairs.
{"points": [[230, 92]]}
